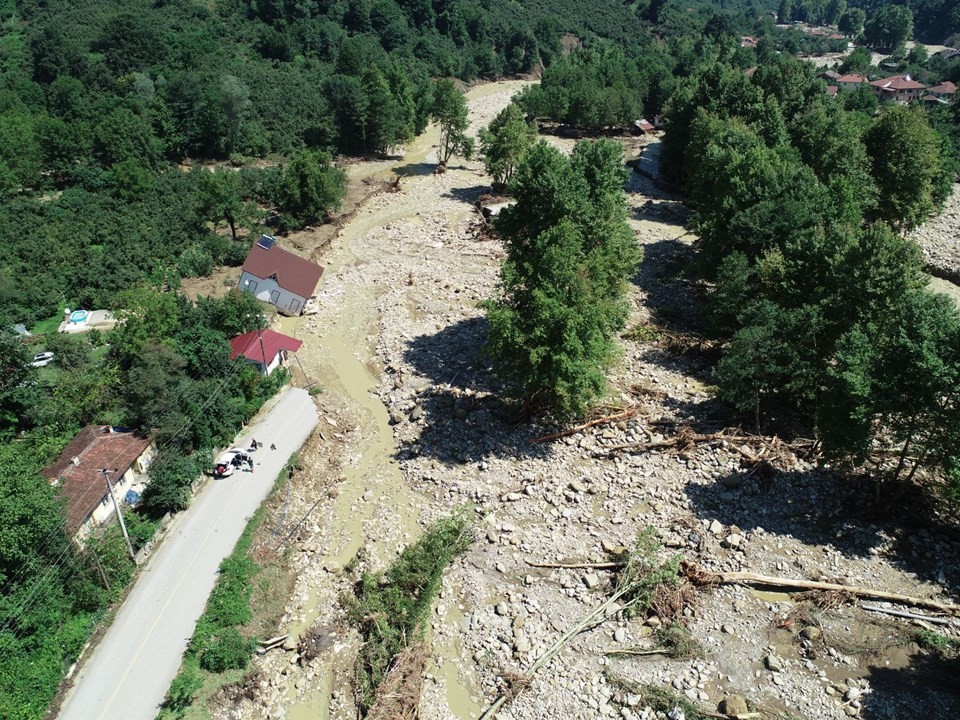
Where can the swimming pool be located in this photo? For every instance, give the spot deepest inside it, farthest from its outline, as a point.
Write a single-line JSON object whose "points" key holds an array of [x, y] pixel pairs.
{"points": [[78, 316]]}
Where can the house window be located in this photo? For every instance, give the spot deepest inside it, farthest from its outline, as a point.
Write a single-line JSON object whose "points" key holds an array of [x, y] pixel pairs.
{"points": [[274, 296], [295, 306], [252, 286], [105, 500]]}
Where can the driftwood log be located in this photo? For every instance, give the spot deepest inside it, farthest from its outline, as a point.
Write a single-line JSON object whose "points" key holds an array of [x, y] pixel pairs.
{"points": [[699, 576], [625, 415]]}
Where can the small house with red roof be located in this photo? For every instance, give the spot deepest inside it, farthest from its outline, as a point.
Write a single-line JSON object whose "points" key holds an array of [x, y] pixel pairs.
{"points": [[264, 349], [944, 91], [279, 277], [899, 88], [79, 474], [850, 81], [642, 127]]}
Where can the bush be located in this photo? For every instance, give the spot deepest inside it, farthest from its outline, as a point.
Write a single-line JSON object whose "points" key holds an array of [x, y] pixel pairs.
{"points": [[392, 608], [228, 650], [183, 688], [196, 261]]}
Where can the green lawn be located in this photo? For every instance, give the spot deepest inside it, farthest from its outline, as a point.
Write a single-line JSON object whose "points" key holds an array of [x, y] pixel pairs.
{"points": [[50, 325]]}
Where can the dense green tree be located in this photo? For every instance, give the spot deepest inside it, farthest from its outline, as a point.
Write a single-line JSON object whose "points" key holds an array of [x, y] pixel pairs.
{"points": [[312, 187], [830, 142], [124, 135], [834, 11], [386, 125], [889, 27], [852, 21], [505, 142], [450, 113], [569, 254], [219, 199], [785, 11], [909, 171], [235, 105]]}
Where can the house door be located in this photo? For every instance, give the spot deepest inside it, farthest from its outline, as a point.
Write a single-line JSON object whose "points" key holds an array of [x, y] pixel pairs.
{"points": [[274, 297], [295, 306], [252, 286]]}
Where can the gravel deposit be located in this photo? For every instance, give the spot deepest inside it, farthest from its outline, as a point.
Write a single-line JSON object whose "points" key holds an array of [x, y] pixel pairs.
{"points": [[408, 273], [939, 240]]}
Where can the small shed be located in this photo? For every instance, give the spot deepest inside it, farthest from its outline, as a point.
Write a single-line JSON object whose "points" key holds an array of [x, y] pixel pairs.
{"points": [[641, 127]]}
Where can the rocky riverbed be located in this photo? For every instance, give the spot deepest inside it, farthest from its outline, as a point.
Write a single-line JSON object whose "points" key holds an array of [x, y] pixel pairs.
{"points": [[939, 240], [414, 428]]}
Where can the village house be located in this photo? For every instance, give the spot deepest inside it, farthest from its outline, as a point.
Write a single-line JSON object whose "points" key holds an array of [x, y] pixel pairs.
{"points": [[264, 349], [850, 82], [78, 474], [898, 88], [944, 91], [278, 277]]}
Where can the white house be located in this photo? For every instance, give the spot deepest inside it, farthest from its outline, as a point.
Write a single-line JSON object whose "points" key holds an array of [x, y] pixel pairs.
{"points": [[265, 349], [278, 277], [78, 473]]}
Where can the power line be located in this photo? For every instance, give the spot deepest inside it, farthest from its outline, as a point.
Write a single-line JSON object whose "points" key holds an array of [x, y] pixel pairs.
{"points": [[174, 442]]}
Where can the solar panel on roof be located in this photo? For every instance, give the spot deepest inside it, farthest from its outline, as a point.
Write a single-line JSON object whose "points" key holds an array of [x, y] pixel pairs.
{"points": [[266, 241]]}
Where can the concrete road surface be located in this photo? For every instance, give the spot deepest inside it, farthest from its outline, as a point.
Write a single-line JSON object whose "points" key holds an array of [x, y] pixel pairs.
{"points": [[129, 672]]}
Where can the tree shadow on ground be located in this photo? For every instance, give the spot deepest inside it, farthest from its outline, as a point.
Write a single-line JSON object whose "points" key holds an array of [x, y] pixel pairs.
{"points": [[415, 169], [675, 294], [465, 416], [822, 507], [924, 688], [664, 211], [469, 195]]}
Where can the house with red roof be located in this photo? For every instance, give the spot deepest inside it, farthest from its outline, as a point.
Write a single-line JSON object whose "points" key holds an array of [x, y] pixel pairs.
{"points": [[79, 474], [850, 82], [944, 91], [899, 88], [279, 277], [264, 349]]}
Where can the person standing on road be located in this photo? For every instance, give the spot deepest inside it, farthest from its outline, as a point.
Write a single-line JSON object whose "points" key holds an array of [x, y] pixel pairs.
{"points": [[250, 462]]}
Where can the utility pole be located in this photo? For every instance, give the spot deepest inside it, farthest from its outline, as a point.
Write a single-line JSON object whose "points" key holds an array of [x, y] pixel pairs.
{"points": [[116, 506], [263, 353]]}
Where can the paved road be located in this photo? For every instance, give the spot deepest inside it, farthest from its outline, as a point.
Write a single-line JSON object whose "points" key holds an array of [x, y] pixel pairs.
{"points": [[128, 674]]}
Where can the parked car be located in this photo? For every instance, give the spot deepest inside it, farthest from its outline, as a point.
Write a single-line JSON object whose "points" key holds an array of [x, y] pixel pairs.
{"points": [[42, 359], [229, 461]]}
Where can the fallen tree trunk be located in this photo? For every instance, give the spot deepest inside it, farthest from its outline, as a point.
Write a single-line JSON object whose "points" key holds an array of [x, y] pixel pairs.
{"points": [[596, 565], [625, 415], [699, 576], [935, 619]]}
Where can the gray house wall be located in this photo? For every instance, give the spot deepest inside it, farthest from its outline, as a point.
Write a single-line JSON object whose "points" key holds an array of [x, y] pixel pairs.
{"points": [[267, 290]]}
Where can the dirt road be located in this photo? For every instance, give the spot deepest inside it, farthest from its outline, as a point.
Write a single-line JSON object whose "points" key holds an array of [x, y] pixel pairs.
{"points": [[130, 670]]}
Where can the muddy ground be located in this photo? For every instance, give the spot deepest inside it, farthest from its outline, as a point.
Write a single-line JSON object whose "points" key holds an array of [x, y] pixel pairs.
{"points": [[413, 428]]}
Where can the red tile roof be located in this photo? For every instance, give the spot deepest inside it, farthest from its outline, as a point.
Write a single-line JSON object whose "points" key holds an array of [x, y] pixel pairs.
{"points": [[293, 273], [898, 82], [248, 345], [944, 88], [95, 447], [851, 78]]}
